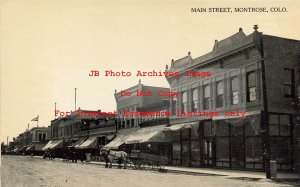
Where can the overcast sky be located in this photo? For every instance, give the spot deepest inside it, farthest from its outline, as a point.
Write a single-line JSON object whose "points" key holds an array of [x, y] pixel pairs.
{"points": [[48, 48]]}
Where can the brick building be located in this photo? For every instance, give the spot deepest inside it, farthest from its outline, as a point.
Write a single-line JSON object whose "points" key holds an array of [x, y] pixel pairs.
{"points": [[238, 85], [143, 107], [32, 140], [84, 130]]}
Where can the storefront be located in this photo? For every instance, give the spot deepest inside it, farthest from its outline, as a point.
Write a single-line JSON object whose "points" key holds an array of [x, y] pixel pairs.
{"points": [[231, 143]]}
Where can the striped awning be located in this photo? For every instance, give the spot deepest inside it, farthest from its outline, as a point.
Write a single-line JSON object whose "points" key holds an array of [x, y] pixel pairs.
{"points": [[91, 142], [79, 142], [149, 134], [180, 126], [57, 144], [48, 145]]}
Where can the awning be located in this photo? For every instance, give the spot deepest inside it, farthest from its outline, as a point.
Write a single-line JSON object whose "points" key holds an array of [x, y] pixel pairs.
{"points": [[119, 140], [39, 146], [248, 113], [57, 144], [122, 136], [180, 126], [30, 148], [91, 142], [149, 134], [23, 148], [48, 145], [79, 142]]}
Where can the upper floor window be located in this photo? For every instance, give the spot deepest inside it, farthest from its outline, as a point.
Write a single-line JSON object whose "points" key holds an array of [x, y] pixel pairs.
{"points": [[234, 91], [184, 102], [195, 100], [289, 83], [220, 94], [251, 86], [206, 96], [174, 108]]}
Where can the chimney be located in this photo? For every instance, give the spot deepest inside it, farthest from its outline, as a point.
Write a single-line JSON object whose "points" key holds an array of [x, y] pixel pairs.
{"points": [[240, 29], [189, 53], [216, 45], [255, 27], [172, 63]]}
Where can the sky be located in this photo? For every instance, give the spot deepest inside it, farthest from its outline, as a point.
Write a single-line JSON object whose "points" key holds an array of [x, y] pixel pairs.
{"points": [[48, 48]]}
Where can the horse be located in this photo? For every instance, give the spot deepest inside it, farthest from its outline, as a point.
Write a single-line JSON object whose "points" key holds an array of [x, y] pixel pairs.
{"points": [[110, 155]]}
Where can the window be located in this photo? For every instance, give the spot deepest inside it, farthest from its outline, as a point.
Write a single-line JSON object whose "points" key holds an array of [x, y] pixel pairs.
{"points": [[251, 86], [174, 100], [279, 125], [184, 102], [40, 136], [289, 83], [234, 91], [220, 94], [195, 100], [44, 136], [206, 97]]}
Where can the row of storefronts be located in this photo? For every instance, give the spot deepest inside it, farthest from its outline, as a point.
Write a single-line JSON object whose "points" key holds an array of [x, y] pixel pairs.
{"points": [[258, 116]]}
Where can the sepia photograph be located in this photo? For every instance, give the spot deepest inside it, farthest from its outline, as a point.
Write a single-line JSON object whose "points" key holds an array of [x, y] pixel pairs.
{"points": [[147, 93]]}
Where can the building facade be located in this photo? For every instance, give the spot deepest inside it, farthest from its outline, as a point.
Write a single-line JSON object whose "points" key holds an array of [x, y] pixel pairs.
{"points": [[142, 98], [240, 79], [83, 130]]}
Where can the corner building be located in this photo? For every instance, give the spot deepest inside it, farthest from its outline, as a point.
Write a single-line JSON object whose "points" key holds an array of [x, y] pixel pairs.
{"points": [[237, 85]]}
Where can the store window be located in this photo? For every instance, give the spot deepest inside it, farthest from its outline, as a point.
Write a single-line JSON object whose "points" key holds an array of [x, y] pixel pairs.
{"points": [[220, 94], [251, 86], [206, 97], [279, 125], [289, 83], [234, 91]]}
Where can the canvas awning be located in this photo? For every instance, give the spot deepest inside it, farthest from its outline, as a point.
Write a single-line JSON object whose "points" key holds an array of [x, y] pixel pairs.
{"points": [[48, 145], [180, 126], [121, 137], [248, 113], [24, 148], [57, 144], [79, 142], [39, 147], [30, 148], [91, 142], [149, 134]]}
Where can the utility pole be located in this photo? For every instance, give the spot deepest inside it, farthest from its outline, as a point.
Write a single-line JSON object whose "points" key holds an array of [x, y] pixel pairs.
{"points": [[55, 111], [75, 98], [265, 120], [7, 140]]}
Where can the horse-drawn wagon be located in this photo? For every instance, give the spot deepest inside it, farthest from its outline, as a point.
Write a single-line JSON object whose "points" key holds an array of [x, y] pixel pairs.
{"points": [[140, 160]]}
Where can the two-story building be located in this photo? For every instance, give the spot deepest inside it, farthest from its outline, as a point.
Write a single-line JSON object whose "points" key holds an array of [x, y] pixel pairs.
{"points": [[237, 100], [142, 113], [85, 130]]}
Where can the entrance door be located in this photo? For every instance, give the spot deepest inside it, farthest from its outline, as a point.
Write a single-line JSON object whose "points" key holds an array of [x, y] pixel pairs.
{"points": [[237, 147], [208, 152]]}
